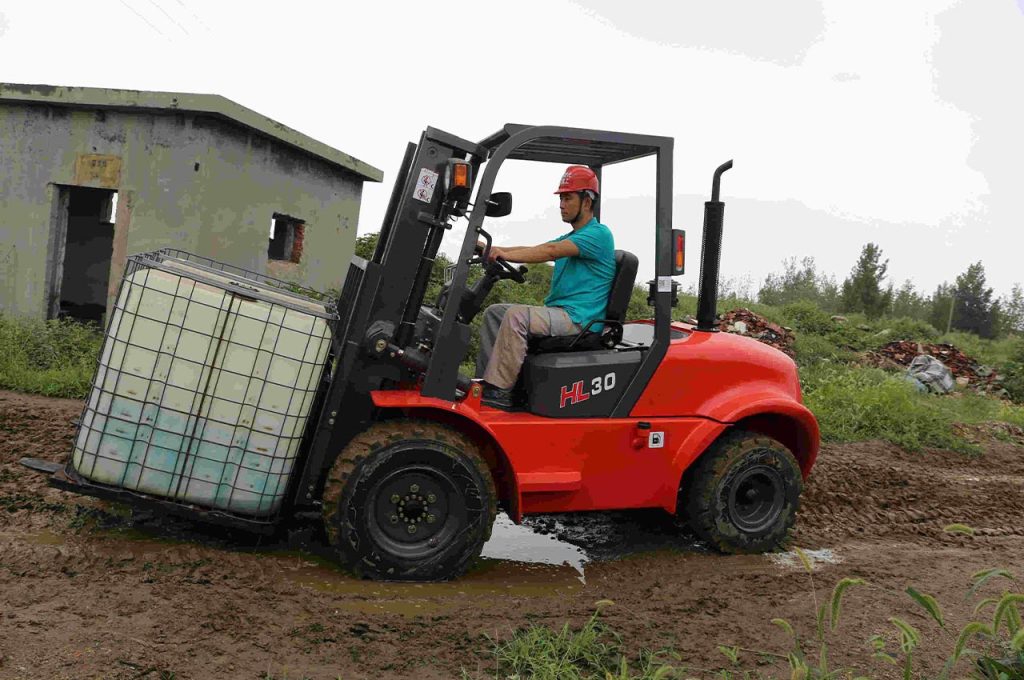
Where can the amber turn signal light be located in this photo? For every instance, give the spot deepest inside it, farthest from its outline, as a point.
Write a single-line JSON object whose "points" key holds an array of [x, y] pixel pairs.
{"points": [[678, 251]]}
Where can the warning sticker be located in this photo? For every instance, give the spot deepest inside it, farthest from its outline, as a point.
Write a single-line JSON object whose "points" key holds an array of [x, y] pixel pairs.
{"points": [[656, 440], [425, 185], [664, 284]]}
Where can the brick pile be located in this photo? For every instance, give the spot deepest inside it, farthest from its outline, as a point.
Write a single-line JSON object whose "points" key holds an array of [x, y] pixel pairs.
{"points": [[745, 322], [964, 368]]}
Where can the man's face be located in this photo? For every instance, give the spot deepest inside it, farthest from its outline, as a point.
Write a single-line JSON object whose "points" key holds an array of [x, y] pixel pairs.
{"points": [[569, 205]]}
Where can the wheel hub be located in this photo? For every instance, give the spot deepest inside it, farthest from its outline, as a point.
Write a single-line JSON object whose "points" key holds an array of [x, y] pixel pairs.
{"points": [[411, 506], [755, 498]]}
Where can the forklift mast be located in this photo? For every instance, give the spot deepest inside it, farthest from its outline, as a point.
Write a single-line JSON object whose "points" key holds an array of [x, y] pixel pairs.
{"points": [[381, 298]]}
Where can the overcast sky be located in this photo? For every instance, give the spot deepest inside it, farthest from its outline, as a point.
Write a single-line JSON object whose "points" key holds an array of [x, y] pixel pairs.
{"points": [[898, 122]]}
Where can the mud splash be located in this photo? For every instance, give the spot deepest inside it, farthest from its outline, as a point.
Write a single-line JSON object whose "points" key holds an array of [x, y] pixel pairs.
{"points": [[816, 558]]}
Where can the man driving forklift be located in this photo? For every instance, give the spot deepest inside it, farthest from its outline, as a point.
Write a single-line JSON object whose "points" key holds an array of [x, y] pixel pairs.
{"points": [[584, 269]]}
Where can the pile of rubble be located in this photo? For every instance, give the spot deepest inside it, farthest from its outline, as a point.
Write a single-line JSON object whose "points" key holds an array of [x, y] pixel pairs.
{"points": [[966, 370], [745, 322]]}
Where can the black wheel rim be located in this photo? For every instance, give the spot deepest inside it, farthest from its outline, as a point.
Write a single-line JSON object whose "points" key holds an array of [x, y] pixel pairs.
{"points": [[416, 510], [754, 498]]}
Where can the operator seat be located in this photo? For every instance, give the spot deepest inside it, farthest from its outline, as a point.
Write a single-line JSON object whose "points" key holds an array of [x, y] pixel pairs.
{"points": [[618, 300]]}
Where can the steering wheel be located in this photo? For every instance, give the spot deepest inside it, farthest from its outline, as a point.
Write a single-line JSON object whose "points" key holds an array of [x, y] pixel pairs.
{"points": [[512, 272]]}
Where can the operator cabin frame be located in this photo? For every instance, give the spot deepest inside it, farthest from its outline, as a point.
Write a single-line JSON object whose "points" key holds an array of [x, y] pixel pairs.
{"points": [[573, 146]]}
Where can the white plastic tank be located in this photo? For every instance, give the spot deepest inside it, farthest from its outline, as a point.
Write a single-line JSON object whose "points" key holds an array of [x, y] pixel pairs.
{"points": [[204, 387]]}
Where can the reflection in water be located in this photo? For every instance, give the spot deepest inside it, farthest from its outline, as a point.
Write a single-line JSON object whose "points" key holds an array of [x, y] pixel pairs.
{"points": [[521, 543]]}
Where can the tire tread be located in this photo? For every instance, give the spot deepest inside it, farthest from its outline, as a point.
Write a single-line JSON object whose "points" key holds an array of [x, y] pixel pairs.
{"points": [[375, 438]]}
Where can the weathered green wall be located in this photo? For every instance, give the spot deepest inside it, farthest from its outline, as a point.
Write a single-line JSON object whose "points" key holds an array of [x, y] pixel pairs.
{"points": [[222, 210]]}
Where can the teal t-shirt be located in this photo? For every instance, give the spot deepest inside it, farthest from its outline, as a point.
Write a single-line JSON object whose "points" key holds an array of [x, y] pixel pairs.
{"points": [[580, 285]]}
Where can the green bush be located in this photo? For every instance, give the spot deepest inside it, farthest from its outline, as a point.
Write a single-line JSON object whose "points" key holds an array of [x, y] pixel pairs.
{"points": [[905, 328], [807, 317], [638, 307], [813, 349], [987, 352], [854, 404], [1012, 371], [52, 358]]}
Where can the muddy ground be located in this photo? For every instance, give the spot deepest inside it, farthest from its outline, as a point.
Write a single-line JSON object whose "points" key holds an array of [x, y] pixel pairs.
{"points": [[88, 591]]}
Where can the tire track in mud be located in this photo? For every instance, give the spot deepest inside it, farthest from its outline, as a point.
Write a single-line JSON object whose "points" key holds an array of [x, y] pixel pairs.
{"points": [[876, 489]]}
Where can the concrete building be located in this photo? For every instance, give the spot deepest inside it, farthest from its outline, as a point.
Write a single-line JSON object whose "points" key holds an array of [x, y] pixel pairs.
{"points": [[89, 176]]}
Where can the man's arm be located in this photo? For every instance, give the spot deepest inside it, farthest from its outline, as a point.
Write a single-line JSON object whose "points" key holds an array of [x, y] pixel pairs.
{"points": [[545, 252]]}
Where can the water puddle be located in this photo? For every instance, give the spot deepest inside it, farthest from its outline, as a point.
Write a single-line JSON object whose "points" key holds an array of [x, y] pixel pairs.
{"points": [[545, 556], [521, 543], [487, 579], [791, 560], [45, 537]]}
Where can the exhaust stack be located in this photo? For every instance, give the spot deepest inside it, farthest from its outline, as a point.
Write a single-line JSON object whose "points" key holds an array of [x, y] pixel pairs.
{"points": [[710, 256]]}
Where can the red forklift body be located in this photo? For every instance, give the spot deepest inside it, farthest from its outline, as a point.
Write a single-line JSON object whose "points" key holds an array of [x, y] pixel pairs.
{"points": [[705, 384]]}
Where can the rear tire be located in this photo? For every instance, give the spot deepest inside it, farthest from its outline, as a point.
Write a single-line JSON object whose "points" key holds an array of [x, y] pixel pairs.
{"points": [[743, 493], [409, 501]]}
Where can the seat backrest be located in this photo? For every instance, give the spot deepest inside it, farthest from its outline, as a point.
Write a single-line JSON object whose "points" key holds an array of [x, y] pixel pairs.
{"points": [[622, 285], [618, 300]]}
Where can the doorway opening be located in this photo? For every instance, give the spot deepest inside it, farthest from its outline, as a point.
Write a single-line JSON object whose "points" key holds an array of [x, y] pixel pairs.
{"points": [[85, 243]]}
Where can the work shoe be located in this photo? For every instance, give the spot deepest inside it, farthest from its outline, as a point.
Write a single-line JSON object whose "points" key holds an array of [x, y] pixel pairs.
{"points": [[496, 397]]}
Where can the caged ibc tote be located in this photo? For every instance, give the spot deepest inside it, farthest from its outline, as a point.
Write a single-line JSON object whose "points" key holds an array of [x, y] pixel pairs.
{"points": [[205, 384]]}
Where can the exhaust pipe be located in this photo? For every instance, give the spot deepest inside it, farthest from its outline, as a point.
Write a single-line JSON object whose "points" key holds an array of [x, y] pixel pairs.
{"points": [[710, 256]]}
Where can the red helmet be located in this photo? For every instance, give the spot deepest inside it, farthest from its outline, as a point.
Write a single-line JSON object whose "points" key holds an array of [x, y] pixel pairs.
{"points": [[578, 178]]}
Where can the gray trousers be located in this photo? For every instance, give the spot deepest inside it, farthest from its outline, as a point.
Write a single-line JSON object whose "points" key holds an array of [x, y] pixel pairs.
{"points": [[503, 337]]}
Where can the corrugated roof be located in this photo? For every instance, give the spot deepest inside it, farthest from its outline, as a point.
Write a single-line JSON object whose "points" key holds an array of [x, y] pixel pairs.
{"points": [[208, 104]]}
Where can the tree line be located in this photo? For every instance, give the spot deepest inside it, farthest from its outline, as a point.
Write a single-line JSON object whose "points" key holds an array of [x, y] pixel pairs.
{"points": [[867, 290], [966, 304]]}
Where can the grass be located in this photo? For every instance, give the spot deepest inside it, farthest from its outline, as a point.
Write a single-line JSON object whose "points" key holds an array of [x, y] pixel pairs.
{"points": [[592, 652], [52, 358], [990, 646], [988, 352], [854, 404]]}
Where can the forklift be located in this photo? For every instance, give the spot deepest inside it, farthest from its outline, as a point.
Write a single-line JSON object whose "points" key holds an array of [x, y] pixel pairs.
{"points": [[405, 467]]}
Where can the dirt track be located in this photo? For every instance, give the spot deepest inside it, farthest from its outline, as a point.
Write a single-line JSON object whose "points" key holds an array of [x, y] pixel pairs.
{"points": [[88, 591]]}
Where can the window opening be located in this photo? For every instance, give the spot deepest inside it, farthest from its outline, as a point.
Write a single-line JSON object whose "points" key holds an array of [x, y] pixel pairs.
{"points": [[286, 237]]}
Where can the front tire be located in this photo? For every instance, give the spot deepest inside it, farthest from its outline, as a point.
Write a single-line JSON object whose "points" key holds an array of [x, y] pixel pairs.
{"points": [[409, 500], [743, 494]]}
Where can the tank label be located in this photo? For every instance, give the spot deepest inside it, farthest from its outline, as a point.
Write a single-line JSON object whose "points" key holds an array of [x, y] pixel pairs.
{"points": [[664, 284], [425, 185], [656, 440]]}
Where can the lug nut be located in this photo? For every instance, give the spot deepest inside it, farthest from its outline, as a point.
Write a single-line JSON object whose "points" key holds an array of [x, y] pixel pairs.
{"points": [[394, 519], [414, 488], [431, 498], [431, 519], [411, 528], [395, 498]]}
